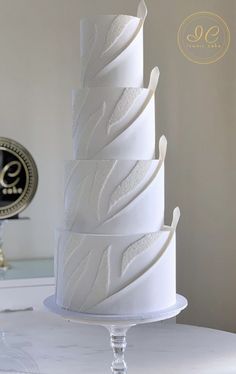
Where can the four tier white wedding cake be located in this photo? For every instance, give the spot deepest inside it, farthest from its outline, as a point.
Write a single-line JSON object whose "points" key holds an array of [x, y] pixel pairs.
{"points": [[114, 254]]}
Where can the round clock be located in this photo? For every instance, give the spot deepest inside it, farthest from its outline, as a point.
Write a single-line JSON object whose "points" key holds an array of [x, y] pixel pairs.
{"points": [[18, 178]]}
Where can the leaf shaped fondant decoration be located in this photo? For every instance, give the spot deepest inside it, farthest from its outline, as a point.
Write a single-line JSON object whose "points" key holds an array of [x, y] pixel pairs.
{"points": [[142, 10], [71, 246], [73, 282], [102, 188], [136, 249], [130, 183], [142, 13], [123, 106], [115, 32], [162, 148], [86, 135], [101, 285], [154, 79], [72, 207], [90, 137], [136, 281]]}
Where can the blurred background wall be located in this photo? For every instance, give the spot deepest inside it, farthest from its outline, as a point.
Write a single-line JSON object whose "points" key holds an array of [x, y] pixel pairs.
{"points": [[39, 66]]}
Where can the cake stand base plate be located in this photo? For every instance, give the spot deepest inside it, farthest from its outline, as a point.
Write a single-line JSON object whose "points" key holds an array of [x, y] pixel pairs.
{"points": [[117, 325], [103, 319]]}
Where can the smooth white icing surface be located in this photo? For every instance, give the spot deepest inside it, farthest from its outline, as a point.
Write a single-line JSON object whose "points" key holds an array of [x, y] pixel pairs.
{"points": [[112, 50], [115, 123], [117, 274]]}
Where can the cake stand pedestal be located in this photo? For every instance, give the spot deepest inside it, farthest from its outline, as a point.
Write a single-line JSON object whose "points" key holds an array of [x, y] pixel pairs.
{"points": [[117, 325]]}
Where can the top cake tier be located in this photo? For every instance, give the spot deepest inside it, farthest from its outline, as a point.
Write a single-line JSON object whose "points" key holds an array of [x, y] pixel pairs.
{"points": [[112, 50]]}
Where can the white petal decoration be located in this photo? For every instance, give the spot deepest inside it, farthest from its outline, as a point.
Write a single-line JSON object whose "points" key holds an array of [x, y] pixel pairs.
{"points": [[142, 10], [141, 13], [162, 148], [142, 245], [117, 29], [136, 249], [154, 79], [123, 106]]}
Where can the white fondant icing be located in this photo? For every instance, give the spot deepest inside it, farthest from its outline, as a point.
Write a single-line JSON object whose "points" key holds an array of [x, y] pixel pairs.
{"points": [[114, 255], [123, 106], [101, 284], [142, 10], [117, 28], [136, 248], [154, 79], [127, 185], [125, 198], [113, 165], [151, 268], [115, 123], [112, 50]]}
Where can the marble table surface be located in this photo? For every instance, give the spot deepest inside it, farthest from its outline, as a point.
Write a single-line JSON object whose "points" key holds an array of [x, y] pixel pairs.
{"points": [[39, 342]]}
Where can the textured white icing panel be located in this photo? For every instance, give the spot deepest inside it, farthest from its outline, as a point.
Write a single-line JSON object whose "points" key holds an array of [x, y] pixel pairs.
{"points": [[150, 265], [112, 50], [115, 123]]}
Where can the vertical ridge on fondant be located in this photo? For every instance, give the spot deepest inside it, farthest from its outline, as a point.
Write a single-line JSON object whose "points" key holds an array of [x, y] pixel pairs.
{"points": [[100, 287], [79, 99], [113, 165], [74, 280], [86, 134]]}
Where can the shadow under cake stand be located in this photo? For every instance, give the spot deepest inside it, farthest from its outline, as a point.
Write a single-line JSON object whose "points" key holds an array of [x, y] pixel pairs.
{"points": [[117, 325]]}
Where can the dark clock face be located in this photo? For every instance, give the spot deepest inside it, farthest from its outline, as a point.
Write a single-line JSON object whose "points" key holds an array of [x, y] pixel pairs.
{"points": [[18, 178]]}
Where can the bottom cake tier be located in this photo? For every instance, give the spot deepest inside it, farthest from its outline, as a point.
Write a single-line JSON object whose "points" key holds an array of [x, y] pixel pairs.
{"points": [[117, 275]]}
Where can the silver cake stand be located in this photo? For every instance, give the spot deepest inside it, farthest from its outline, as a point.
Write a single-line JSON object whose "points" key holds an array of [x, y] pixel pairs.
{"points": [[117, 325]]}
